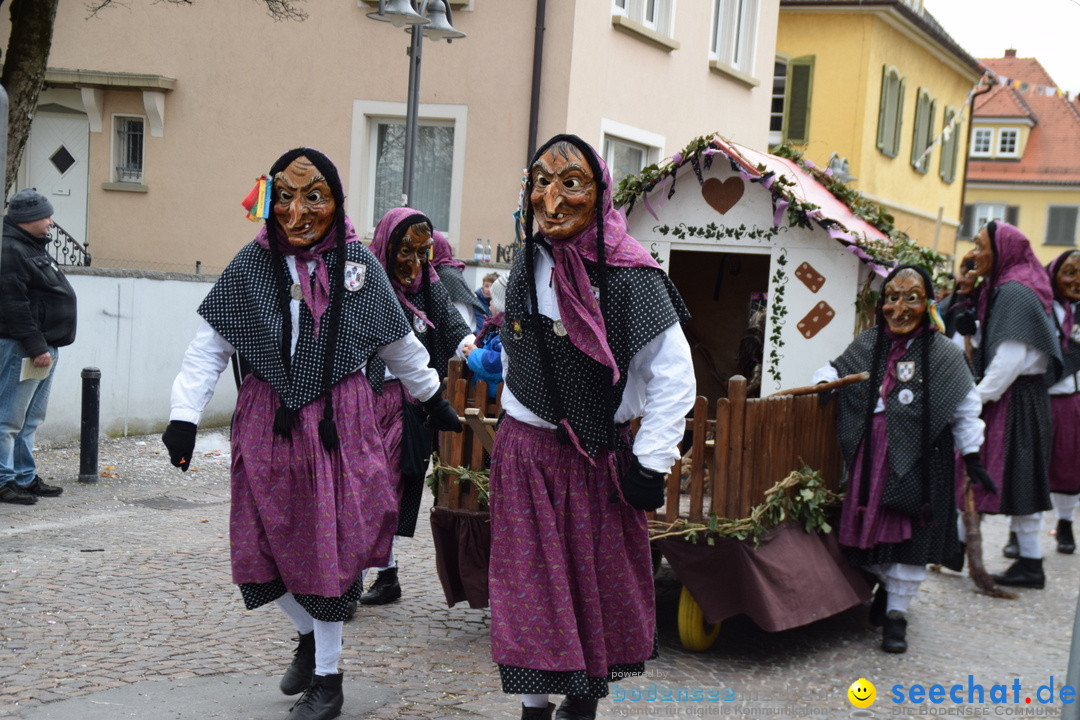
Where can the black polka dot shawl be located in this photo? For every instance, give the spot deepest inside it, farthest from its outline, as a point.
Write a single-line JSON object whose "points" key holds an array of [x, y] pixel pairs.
{"points": [[642, 303], [242, 306]]}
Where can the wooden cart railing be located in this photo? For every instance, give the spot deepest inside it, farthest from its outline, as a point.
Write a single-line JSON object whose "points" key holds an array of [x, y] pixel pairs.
{"points": [[746, 444]]}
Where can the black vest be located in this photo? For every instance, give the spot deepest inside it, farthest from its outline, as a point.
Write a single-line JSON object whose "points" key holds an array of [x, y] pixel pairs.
{"points": [[641, 304]]}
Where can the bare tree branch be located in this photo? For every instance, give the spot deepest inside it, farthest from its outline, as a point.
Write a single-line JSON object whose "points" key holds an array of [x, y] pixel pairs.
{"points": [[277, 9]]}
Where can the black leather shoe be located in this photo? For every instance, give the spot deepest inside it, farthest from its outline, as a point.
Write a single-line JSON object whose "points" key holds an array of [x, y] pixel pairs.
{"points": [[350, 610], [321, 701], [877, 607], [12, 493], [39, 488], [894, 632], [1025, 572], [1012, 548], [532, 713], [298, 677], [955, 562], [576, 708], [385, 590], [1065, 542]]}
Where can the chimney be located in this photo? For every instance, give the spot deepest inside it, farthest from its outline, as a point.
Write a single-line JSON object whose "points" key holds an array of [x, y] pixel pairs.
{"points": [[1010, 53]]}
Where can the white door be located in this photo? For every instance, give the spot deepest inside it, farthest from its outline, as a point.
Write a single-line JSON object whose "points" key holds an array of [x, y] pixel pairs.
{"points": [[56, 161]]}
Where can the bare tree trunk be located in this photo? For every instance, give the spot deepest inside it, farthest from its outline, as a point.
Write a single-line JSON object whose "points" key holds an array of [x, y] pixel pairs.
{"points": [[23, 76]]}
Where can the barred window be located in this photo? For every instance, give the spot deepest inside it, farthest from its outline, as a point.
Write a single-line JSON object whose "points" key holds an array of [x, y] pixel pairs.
{"points": [[128, 149]]}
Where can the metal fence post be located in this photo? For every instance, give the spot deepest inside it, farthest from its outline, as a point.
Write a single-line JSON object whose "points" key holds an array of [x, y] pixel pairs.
{"points": [[88, 440]]}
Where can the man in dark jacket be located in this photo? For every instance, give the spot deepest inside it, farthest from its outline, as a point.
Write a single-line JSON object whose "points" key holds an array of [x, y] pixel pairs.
{"points": [[37, 316]]}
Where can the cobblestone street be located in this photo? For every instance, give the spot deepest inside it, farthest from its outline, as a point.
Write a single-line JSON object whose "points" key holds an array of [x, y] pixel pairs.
{"points": [[125, 584]]}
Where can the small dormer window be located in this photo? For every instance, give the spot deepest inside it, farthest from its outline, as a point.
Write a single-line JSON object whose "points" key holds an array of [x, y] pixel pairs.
{"points": [[982, 141], [1008, 142]]}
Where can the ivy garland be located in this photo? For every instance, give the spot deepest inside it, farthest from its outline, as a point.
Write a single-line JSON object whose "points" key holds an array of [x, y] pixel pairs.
{"points": [[897, 249], [478, 479], [800, 497], [777, 313], [712, 231]]}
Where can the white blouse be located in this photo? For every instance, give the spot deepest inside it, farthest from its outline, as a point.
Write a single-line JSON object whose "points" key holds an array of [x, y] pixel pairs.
{"points": [[208, 355], [660, 385]]}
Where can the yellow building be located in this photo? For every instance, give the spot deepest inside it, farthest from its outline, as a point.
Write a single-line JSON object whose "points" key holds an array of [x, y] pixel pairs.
{"points": [[865, 88], [1024, 164]]}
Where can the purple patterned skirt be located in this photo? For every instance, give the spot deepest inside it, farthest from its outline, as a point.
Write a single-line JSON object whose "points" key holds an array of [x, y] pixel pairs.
{"points": [[866, 527], [1064, 474], [305, 520], [572, 594]]}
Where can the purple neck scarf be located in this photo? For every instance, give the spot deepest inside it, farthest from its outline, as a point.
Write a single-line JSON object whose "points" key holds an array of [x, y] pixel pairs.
{"points": [[380, 247], [1014, 261], [315, 290], [896, 351], [579, 308]]}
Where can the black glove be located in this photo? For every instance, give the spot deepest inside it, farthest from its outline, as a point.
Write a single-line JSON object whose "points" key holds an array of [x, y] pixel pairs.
{"points": [[642, 488], [440, 415], [179, 438], [977, 472], [965, 323]]}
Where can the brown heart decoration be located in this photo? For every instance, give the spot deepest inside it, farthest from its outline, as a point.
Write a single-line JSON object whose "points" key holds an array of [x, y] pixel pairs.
{"points": [[722, 194]]}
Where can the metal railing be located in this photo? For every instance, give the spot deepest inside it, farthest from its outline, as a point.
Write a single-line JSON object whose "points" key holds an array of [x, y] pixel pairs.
{"points": [[65, 249]]}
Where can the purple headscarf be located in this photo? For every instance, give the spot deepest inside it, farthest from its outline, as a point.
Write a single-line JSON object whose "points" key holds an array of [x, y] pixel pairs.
{"points": [[317, 298], [1014, 261], [381, 247], [1066, 303], [442, 253], [578, 306]]}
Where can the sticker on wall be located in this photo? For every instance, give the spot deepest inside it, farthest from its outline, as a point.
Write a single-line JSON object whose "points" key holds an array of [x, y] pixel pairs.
{"points": [[810, 277], [722, 194], [816, 319]]}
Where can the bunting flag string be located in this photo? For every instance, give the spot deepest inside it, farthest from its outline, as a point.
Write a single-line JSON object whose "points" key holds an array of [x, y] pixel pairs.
{"points": [[1027, 87], [989, 78]]}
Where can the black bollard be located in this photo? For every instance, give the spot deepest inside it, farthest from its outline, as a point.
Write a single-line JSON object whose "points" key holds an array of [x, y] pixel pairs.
{"points": [[88, 439]]}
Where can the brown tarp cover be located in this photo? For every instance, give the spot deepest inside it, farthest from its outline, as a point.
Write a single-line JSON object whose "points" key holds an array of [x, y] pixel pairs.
{"points": [[792, 578], [462, 549]]}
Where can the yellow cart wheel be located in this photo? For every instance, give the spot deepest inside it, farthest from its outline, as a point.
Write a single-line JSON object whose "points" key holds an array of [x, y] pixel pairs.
{"points": [[694, 634]]}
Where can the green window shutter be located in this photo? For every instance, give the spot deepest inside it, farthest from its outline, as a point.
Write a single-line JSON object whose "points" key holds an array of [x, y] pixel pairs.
{"points": [[1012, 214], [918, 135], [1061, 225], [883, 121], [967, 230], [949, 148], [800, 83], [899, 120]]}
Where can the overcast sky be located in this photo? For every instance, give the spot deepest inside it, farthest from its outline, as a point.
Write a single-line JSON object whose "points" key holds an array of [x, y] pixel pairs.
{"points": [[1048, 30]]}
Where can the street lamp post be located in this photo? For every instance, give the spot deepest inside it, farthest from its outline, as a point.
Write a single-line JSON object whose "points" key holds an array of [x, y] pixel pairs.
{"points": [[424, 17]]}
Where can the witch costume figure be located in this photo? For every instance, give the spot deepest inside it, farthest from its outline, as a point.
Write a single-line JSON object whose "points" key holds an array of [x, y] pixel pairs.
{"points": [[451, 275], [403, 244], [1065, 398], [898, 431], [592, 339], [307, 306], [1015, 347]]}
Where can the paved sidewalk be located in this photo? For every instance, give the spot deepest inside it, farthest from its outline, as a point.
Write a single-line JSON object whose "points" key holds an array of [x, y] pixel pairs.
{"points": [[116, 602]]}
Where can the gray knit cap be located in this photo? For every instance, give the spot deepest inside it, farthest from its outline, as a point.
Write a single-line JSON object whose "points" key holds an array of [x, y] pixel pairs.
{"points": [[28, 205]]}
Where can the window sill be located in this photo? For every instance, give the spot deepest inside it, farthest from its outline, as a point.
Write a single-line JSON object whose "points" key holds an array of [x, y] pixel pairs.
{"points": [[125, 187], [628, 26], [729, 72]]}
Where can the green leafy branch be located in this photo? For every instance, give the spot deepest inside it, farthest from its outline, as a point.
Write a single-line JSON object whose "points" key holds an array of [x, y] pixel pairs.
{"points": [[478, 479], [800, 497]]}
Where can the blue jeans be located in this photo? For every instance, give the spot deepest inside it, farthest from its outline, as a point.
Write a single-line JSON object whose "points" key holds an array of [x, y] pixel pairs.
{"points": [[22, 410]]}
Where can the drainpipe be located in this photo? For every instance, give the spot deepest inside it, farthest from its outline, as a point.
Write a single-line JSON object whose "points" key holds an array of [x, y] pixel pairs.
{"points": [[967, 150], [538, 58]]}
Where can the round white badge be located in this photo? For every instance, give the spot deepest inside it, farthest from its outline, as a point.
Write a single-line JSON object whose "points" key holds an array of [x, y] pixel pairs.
{"points": [[905, 396]]}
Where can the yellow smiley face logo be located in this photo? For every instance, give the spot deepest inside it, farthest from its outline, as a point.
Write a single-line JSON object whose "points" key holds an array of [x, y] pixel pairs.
{"points": [[862, 693]]}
